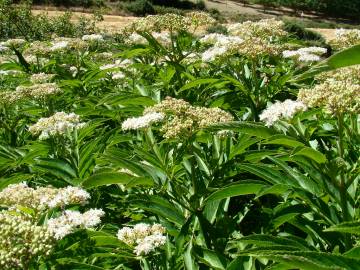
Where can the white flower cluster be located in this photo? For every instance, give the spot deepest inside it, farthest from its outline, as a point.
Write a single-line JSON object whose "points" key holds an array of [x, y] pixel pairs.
{"points": [[163, 38], [59, 46], [58, 124], [22, 239], [118, 64], [278, 110], [310, 54], [211, 38], [3, 48], [142, 121], [66, 196], [42, 198], [143, 237], [345, 38], [35, 91], [266, 29], [41, 77], [70, 220], [16, 42], [92, 38], [223, 46], [336, 91], [64, 44]]}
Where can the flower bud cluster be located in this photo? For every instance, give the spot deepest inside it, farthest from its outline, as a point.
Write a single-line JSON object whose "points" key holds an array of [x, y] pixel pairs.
{"points": [[38, 48], [345, 38], [71, 220], [16, 43], [66, 44], [143, 237], [41, 78], [310, 54], [143, 121], [163, 38], [58, 124], [169, 22], [21, 240], [42, 198], [35, 91], [93, 38], [183, 119], [251, 39], [268, 29], [337, 91], [280, 110]]}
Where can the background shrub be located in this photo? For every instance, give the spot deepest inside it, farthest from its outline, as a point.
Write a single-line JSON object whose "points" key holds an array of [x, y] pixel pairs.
{"points": [[138, 7], [18, 21]]}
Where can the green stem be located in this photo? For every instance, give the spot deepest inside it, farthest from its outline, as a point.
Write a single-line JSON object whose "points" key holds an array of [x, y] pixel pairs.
{"points": [[343, 186]]}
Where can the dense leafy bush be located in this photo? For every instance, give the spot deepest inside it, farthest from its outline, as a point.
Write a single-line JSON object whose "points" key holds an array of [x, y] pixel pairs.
{"points": [[18, 21], [66, 3], [177, 150], [139, 7], [301, 33], [337, 8]]}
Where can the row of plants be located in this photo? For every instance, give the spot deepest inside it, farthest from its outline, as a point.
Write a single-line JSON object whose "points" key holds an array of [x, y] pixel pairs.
{"points": [[169, 148], [344, 8]]}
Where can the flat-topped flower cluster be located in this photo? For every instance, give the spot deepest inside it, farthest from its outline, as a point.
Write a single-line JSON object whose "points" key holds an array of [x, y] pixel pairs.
{"points": [[58, 124], [337, 91], [179, 118], [38, 91], [23, 236], [143, 237]]}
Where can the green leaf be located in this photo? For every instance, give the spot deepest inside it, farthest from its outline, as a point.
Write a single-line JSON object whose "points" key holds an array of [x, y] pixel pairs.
{"points": [[109, 178], [237, 189], [346, 227], [250, 128], [198, 82], [305, 260], [345, 58], [309, 153], [211, 258], [57, 167], [283, 140]]}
